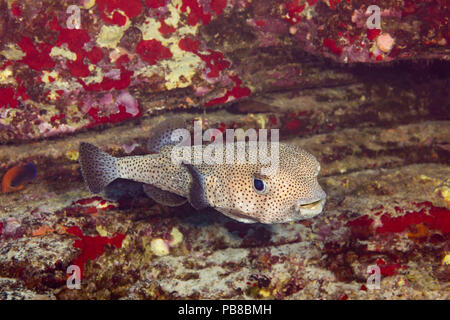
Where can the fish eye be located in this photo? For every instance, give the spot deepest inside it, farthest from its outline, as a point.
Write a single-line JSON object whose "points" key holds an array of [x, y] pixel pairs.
{"points": [[259, 185]]}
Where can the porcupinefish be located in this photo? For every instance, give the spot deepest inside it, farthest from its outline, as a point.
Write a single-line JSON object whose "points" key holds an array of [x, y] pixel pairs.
{"points": [[238, 190]]}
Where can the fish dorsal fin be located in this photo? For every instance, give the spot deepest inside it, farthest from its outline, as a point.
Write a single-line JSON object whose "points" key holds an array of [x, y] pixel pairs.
{"points": [[163, 197], [197, 187], [162, 133]]}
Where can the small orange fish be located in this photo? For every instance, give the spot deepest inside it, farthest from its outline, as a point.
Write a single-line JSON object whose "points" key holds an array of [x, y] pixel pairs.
{"points": [[16, 177]]}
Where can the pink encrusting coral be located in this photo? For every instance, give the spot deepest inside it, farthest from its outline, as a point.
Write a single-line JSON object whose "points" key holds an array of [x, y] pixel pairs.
{"points": [[196, 10], [131, 8], [152, 51], [435, 218], [37, 58], [91, 246], [235, 93], [388, 270], [215, 64], [112, 108], [7, 99]]}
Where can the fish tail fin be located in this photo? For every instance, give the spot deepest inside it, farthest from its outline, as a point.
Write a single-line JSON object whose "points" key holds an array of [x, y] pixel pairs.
{"points": [[98, 168]]}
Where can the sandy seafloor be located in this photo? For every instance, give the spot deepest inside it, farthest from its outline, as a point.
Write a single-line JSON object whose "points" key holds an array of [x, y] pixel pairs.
{"points": [[381, 182]]}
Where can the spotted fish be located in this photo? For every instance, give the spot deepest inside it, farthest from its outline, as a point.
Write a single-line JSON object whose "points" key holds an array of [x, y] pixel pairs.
{"points": [[237, 190]]}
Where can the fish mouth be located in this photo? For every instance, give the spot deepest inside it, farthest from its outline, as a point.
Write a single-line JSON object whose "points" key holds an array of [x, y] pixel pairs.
{"points": [[310, 209]]}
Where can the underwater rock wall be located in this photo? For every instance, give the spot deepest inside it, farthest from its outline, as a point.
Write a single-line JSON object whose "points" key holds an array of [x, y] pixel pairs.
{"points": [[386, 177], [372, 106], [67, 66]]}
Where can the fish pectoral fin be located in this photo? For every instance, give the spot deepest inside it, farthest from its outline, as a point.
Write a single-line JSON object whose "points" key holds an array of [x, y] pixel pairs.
{"points": [[162, 134], [197, 191], [163, 197]]}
